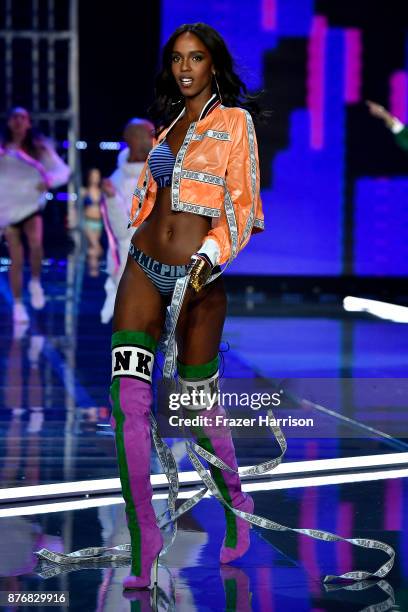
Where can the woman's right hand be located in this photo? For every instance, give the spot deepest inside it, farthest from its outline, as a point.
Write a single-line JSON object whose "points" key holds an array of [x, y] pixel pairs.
{"points": [[378, 111], [200, 272], [108, 188]]}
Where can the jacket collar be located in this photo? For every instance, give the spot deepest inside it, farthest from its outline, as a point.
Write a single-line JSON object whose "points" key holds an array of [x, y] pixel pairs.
{"points": [[212, 103], [208, 107]]}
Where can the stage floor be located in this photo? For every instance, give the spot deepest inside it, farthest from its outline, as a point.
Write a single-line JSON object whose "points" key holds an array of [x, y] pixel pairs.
{"points": [[345, 372]]}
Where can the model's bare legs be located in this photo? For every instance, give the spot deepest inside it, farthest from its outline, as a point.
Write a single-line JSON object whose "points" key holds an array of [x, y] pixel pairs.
{"points": [[16, 252], [139, 306], [33, 229], [200, 324]]}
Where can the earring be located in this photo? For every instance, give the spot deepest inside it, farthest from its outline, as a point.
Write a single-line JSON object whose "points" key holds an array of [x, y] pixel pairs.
{"points": [[217, 86]]}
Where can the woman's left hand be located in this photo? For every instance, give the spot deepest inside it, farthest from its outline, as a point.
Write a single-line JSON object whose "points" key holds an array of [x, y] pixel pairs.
{"points": [[378, 111]]}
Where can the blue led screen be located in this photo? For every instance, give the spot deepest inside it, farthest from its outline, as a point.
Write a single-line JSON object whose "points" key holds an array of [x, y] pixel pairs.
{"points": [[334, 188]]}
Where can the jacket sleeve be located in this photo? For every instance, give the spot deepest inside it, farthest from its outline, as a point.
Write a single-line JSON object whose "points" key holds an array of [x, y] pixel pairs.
{"points": [[232, 230], [57, 171]]}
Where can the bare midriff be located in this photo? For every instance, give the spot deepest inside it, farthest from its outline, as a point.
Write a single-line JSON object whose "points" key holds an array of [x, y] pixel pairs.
{"points": [[92, 212], [168, 236]]}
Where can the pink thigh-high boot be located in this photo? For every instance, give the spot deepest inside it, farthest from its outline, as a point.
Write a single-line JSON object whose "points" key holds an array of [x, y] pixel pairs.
{"points": [[131, 398], [216, 439]]}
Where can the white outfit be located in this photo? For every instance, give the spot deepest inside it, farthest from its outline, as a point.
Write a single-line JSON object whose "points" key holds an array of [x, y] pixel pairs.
{"points": [[116, 213], [57, 171], [19, 177]]}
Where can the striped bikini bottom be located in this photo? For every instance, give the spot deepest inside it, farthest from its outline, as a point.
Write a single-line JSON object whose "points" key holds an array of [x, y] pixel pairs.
{"points": [[163, 276]]}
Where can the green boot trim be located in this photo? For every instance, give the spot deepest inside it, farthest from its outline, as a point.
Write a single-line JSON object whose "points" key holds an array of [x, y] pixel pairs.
{"points": [[231, 536], [134, 338], [133, 525], [204, 370], [231, 595]]}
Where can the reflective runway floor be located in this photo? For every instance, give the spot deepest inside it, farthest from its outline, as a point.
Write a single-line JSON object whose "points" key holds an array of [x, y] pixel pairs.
{"points": [[344, 474]]}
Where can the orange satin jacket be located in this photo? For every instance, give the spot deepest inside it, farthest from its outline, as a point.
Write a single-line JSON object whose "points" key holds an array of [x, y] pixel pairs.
{"points": [[216, 174]]}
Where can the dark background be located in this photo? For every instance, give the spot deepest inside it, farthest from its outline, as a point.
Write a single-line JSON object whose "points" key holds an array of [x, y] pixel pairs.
{"points": [[119, 54]]}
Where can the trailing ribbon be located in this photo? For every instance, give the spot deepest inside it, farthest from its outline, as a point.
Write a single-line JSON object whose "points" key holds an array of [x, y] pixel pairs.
{"points": [[122, 552]]}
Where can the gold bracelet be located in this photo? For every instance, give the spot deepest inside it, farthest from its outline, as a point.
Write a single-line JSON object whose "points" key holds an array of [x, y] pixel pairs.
{"points": [[200, 273]]}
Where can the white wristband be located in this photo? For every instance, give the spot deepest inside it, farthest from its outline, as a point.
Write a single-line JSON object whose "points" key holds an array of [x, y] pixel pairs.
{"points": [[397, 126], [211, 249]]}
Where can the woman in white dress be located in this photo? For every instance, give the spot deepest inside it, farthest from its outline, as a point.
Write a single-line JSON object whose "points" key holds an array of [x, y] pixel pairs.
{"points": [[33, 149]]}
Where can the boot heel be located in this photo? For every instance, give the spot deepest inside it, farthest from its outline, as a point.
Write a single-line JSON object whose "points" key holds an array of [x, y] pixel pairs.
{"points": [[155, 598], [155, 571], [137, 582]]}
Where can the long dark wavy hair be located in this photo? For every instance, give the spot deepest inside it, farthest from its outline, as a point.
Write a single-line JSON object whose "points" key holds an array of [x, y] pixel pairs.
{"points": [[168, 99], [34, 141]]}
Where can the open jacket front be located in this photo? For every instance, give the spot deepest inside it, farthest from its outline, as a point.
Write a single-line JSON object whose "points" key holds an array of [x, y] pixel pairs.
{"points": [[216, 174]]}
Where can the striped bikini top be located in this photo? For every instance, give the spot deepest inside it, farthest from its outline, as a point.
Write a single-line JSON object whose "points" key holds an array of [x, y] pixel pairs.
{"points": [[161, 164]]}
